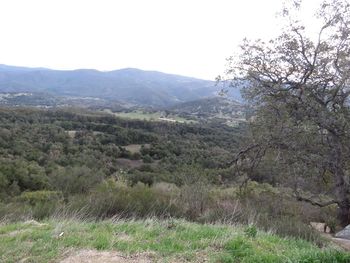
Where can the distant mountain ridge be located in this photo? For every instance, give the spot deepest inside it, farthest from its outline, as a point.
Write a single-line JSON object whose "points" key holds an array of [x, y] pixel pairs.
{"points": [[148, 88]]}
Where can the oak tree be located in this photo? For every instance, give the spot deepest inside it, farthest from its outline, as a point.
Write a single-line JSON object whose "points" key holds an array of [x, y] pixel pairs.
{"points": [[299, 84]]}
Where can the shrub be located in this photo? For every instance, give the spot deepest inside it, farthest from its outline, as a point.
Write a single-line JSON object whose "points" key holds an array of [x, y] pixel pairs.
{"points": [[194, 199], [112, 198], [76, 179], [292, 227], [15, 212], [147, 159], [135, 156], [43, 196], [142, 177], [43, 203]]}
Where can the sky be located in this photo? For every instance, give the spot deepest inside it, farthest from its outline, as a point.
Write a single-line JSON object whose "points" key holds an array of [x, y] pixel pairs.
{"points": [[187, 37]]}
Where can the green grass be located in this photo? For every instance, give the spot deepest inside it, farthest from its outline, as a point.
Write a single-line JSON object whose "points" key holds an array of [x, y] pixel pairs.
{"points": [[169, 240], [140, 115]]}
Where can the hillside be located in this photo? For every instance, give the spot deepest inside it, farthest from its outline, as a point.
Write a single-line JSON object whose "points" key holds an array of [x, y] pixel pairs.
{"points": [[209, 106], [228, 110], [75, 163], [152, 240], [48, 100], [150, 88]]}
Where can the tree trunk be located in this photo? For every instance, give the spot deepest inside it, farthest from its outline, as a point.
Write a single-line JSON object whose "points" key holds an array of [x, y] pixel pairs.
{"points": [[341, 187], [343, 199], [343, 214]]}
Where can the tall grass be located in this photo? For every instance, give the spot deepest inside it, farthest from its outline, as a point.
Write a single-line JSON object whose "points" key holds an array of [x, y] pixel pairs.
{"points": [[199, 202]]}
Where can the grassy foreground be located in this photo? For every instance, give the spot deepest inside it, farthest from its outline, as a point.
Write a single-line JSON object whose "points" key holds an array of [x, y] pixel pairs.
{"points": [[166, 241]]}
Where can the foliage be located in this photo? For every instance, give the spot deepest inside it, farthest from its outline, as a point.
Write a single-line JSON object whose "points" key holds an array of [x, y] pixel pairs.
{"points": [[36, 197], [299, 85], [251, 231], [73, 150], [78, 154]]}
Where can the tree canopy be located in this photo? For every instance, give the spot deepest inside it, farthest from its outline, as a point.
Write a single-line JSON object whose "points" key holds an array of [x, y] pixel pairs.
{"points": [[299, 85]]}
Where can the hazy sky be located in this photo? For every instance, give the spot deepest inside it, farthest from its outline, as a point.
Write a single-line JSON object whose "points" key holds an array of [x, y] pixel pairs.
{"points": [[188, 37]]}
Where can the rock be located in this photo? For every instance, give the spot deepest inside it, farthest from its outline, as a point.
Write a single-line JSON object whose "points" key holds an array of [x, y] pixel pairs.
{"points": [[320, 227], [345, 233]]}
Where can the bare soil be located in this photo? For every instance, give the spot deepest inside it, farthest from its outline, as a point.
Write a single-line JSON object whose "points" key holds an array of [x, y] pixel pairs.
{"points": [[94, 256]]}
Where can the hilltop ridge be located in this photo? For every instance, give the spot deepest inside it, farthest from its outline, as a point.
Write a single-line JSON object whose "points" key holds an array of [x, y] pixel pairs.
{"points": [[129, 85]]}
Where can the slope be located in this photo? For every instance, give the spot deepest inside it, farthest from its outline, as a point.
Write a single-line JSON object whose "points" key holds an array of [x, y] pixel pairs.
{"points": [[130, 85]]}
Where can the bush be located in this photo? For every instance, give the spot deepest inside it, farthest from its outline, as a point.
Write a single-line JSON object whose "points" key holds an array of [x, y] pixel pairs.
{"points": [[76, 179], [14, 212], [141, 177], [135, 156], [113, 198], [42, 203], [291, 227], [194, 199], [147, 159], [36, 197]]}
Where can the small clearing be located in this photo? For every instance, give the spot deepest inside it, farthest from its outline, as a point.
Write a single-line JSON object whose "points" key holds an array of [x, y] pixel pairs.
{"points": [[135, 148]]}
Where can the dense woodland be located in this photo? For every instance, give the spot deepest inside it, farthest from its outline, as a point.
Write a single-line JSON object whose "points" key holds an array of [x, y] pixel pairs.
{"points": [[52, 150], [73, 161]]}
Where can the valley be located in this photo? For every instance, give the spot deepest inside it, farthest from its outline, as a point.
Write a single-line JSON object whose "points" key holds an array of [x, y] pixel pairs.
{"points": [[106, 157], [175, 131]]}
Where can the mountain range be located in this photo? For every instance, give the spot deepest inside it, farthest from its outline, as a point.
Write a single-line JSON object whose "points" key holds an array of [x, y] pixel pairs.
{"points": [[129, 85]]}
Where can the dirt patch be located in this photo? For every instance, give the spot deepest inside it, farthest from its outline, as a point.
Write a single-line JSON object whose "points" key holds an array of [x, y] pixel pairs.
{"points": [[133, 148], [93, 256]]}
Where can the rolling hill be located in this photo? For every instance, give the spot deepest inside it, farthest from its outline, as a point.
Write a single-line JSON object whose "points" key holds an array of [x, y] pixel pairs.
{"points": [[147, 88]]}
